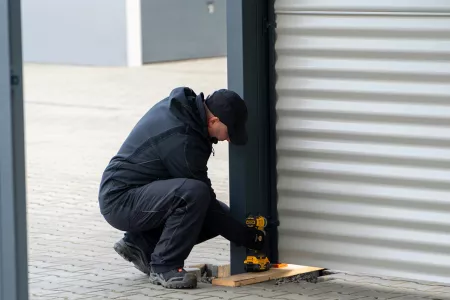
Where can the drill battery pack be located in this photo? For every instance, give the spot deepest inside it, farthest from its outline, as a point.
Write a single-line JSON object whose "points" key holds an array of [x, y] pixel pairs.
{"points": [[256, 263]]}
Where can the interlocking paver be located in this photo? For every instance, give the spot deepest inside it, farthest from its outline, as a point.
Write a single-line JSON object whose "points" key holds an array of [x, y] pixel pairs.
{"points": [[50, 286], [294, 296], [36, 297], [68, 295], [134, 297], [184, 296], [42, 292], [378, 294], [261, 292], [73, 128], [80, 289], [438, 296], [440, 289], [226, 294], [256, 297], [295, 288], [112, 294], [409, 297], [337, 296]]}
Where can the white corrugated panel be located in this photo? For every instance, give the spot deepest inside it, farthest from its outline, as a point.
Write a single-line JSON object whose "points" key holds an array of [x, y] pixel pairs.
{"points": [[363, 5], [363, 150]]}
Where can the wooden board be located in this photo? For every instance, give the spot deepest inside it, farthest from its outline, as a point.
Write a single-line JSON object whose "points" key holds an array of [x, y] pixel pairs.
{"points": [[252, 278]]}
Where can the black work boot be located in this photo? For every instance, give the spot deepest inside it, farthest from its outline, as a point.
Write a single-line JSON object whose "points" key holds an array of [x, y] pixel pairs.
{"points": [[174, 279], [132, 253]]}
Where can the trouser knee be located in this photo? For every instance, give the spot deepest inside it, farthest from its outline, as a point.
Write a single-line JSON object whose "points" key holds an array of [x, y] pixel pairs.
{"points": [[195, 191]]}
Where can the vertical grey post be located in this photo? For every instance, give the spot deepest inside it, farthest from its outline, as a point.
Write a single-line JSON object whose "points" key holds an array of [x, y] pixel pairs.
{"points": [[248, 75], [13, 231]]}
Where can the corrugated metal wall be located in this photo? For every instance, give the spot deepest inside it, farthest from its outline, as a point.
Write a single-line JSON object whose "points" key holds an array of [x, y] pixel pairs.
{"points": [[363, 150]]}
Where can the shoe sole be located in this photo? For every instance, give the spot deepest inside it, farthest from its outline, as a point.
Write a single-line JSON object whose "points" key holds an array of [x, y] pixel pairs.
{"points": [[191, 284], [133, 255]]}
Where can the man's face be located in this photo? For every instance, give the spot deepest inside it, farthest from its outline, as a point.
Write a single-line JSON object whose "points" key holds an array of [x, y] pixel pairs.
{"points": [[217, 129]]}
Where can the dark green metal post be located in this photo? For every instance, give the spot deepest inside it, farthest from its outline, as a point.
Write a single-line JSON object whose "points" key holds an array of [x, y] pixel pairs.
{"points": [[248, 51], [13, 229]]}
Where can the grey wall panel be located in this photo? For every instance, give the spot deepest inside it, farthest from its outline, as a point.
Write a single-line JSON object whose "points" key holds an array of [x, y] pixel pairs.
{"points": [[87, 32], [180, 29], [363, 151]]}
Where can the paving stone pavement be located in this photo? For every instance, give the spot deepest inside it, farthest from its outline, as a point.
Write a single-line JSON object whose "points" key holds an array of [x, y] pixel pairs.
{"points": [[76, 118]]}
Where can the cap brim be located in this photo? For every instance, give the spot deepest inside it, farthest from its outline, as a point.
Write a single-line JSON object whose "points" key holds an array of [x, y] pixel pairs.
{"points": [[239, 137]]}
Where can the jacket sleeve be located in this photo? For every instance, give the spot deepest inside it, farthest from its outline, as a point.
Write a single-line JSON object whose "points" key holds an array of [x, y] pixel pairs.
{"points": [[187, 157]]}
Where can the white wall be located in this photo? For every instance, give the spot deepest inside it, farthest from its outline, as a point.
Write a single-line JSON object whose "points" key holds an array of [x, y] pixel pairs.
{"points": [[87, 32]]}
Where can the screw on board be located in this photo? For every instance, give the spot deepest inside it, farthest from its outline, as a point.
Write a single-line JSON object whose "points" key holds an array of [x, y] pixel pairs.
{"points": [[210, 5], [15, 80], [268, 25]]}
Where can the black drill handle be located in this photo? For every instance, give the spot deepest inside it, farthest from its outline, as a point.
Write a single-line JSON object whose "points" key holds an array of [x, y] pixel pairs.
{"points": [[272, 224]]}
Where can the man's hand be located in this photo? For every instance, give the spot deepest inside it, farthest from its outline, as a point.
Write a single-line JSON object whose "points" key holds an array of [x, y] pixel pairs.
{"points": [[256, 239]]}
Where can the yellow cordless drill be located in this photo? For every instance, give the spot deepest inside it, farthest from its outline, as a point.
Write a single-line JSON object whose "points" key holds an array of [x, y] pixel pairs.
{"points": [[256, 261]]}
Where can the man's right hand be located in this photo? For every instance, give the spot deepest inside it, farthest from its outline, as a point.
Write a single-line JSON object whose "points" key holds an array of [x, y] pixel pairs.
{"points": [[256, 239]]}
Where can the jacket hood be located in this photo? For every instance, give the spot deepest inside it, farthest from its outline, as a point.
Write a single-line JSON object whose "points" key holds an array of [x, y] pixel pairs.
{"points": [[188, 107]]}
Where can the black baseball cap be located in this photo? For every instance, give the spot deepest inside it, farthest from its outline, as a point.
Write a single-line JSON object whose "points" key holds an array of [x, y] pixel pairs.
{"points": [[230, 108]]}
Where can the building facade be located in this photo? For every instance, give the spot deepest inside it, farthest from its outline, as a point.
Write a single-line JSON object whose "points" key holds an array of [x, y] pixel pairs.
{"points": [[122, 32], [349, 146]]}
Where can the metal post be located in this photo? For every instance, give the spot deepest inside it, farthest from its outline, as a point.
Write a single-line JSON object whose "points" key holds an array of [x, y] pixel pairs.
{"points": [[248, 51], [13, 231]]}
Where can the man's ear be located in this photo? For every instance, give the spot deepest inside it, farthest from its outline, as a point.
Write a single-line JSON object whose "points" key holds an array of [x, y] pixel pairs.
{"points": [[212, 120]]}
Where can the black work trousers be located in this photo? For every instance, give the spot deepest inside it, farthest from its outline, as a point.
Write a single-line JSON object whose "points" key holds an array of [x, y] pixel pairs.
{"points": [[167, 218]]}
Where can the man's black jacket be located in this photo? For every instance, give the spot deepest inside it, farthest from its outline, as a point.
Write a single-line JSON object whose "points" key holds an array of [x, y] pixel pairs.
{"points": [[170, 141]]}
